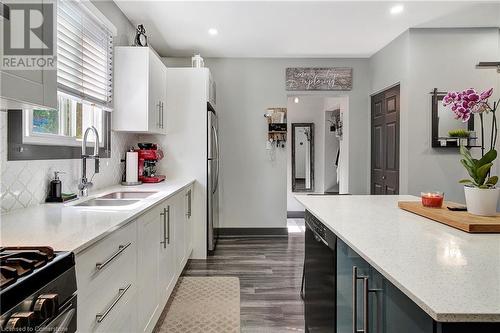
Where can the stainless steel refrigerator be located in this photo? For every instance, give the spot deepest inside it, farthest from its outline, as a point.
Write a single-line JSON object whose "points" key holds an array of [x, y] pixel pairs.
{"points": [[213, 173]]}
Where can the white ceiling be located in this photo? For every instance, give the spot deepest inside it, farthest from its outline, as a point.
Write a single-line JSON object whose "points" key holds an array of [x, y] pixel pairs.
{"points": [[294, 29]]}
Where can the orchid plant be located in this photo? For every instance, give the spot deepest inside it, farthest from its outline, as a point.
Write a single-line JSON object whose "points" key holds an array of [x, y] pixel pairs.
{"points": [[464, 105]]}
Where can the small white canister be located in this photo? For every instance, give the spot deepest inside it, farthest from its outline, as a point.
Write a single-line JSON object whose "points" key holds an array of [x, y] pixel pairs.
{"points": [[197, 61]]}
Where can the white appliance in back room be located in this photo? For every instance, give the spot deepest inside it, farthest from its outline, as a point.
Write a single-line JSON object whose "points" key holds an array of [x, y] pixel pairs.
{"points": [[194, 148]]}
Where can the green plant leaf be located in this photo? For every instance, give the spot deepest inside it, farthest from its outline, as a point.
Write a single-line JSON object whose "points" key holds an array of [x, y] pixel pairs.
{"points": [[482, 172], [465, 181], [487, 158], [483, 187], [472, 162], [465, 153], [470, 169], [492, 181]]}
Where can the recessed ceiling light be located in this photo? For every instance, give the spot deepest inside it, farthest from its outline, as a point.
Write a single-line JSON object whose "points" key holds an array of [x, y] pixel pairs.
{"points": [[212, 32], [397, 9], [296, 100]]}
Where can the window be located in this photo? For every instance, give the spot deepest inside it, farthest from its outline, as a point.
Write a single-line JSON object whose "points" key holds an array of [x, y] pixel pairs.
{"points": [[66, 125], [84, 55], [84, 79]]}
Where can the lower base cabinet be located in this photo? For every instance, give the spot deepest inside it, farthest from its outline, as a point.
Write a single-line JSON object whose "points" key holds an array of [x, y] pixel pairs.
{"points": [[370, 302], [148, 270], [364, 300], [124, 280], [367, 302]]}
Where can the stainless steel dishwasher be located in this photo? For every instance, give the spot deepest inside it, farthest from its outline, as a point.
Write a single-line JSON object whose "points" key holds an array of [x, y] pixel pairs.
{"points": [[320, 274]]}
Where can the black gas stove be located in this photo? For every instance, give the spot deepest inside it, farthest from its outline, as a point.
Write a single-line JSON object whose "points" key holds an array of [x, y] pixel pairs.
{"points": [[37, 290]]}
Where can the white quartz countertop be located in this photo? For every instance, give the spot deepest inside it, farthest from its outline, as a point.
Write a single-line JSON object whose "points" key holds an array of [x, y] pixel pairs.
{"points": [[65, 227], [452, 275]]}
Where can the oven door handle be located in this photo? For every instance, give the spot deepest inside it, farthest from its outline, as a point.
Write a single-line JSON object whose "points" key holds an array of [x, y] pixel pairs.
{"points": [[62, 322]]}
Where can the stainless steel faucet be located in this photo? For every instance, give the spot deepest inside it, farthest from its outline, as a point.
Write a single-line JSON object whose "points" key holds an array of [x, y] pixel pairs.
{"points": [[84, 184]]}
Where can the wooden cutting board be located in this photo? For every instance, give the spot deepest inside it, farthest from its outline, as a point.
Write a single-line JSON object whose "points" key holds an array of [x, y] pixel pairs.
{"points": [[460, 220]]}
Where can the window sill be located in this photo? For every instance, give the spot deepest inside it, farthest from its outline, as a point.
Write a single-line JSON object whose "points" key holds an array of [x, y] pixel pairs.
{"points": [[21, 151]]}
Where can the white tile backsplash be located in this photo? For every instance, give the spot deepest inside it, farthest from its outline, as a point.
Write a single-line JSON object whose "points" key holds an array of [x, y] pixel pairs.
{"points": [[25, 183]]}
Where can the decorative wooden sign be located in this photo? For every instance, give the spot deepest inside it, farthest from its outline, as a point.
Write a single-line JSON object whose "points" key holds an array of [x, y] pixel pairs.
{"points": [[332, 78]]}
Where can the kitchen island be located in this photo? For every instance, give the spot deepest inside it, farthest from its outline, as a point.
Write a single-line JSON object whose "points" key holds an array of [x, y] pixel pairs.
{"points": [[451, 277]]}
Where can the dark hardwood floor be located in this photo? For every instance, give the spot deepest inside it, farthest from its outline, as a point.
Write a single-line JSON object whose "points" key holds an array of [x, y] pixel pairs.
{"points": [[270, 272]]}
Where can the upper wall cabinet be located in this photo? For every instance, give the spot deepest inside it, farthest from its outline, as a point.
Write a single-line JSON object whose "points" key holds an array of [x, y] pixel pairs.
{"points": [[32, 87], [140, 91]]}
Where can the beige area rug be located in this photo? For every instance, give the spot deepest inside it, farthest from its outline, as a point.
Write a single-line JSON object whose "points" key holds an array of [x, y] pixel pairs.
{"points": [[205, 305]]}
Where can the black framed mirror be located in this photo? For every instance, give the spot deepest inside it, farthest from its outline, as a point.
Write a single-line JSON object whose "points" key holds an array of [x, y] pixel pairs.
{"points": [[444, 125], [302, 157]]}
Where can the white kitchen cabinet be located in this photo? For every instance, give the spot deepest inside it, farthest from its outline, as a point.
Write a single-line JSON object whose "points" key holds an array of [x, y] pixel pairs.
{"points": [[140, 91], [180, 230], [106, 280], [20, 89], [148, 270], [168, 242], [127, 277]]}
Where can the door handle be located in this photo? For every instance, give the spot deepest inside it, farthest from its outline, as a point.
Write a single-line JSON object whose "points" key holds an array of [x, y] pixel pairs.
{"points": [[162, 115], [355, 279], [101, 316], [159, 114], [366, 303], [188, 194], [164, 241], [383, 177], [167, 211], [121, 248], [216, 137]]}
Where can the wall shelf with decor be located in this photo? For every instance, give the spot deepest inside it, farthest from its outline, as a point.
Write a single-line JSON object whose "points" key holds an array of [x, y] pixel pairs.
{"points": [[454, 142], [276, 126], [444, 122]]}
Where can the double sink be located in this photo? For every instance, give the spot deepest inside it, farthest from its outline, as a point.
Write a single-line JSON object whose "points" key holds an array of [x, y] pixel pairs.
{"points": [[116, 199]]}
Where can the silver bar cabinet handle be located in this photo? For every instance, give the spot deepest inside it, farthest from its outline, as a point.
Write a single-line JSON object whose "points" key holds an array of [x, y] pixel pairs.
{"points": [[188, 194], [366, 303], [164, 241], [121, 248], [167, 210], [162, 115], [354, 299], [355, 279], [159, 114], [101, 316]]}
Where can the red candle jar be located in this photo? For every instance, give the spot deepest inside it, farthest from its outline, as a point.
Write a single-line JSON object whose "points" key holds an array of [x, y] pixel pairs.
{"points": [[432, 199]]}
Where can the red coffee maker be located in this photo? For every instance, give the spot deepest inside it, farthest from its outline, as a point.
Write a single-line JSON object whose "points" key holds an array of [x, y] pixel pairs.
{"points": [[149, 155]]}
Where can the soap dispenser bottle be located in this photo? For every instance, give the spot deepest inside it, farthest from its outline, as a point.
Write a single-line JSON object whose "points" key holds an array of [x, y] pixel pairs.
{"points": [[55, 187]]}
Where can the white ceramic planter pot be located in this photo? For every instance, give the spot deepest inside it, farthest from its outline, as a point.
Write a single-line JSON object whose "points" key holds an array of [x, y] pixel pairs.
{"points": [[481, 201]]}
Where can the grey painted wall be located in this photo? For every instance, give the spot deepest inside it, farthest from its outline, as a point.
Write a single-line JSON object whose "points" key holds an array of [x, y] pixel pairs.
{"points": [[422, 59], [253, 187]]}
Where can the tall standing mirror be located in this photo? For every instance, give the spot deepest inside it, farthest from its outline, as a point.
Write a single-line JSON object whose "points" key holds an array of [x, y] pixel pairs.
{"points": [[302, 157]]}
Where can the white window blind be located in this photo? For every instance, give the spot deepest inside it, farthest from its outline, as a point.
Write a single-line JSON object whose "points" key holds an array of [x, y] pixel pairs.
{"points": [[84, 55]]}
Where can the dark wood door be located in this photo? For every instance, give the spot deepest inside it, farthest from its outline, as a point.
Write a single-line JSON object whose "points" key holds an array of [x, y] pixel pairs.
{"points": [[385, 142]]}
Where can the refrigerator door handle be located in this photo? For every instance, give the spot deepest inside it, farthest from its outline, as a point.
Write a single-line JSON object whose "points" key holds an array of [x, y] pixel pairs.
{"points": [[216, 137]]}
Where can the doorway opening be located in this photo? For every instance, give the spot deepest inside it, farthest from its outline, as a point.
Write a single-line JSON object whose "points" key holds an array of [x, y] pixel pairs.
{"points": [[318, 155]]}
